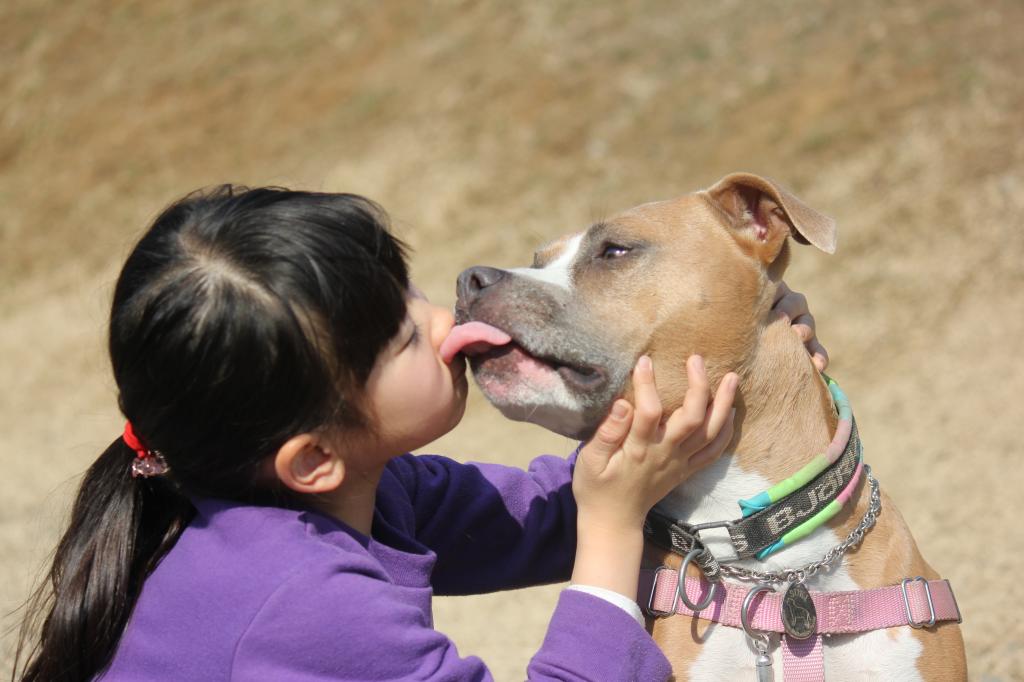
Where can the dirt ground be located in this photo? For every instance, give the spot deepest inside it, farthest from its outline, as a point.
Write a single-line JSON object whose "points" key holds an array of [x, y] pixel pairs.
{"points": [[486, 128]]}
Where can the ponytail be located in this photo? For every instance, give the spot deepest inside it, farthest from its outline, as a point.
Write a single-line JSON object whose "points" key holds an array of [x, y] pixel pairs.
{"points": [[120, 528]]}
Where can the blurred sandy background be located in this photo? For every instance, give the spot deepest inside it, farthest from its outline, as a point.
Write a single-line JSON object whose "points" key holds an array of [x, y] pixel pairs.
{"points": [[488, 128]]}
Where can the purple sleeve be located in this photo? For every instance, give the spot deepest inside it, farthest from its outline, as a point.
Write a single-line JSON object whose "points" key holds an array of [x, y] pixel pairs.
{"points": [[493, 527], [591, 639], [328, 624]]}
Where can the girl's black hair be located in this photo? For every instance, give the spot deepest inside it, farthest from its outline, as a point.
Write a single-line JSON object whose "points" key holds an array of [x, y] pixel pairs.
{"points": [[243, 317]]}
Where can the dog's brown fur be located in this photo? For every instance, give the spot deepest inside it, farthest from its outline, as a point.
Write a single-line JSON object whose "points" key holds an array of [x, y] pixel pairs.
{"points": [[734, 236]]}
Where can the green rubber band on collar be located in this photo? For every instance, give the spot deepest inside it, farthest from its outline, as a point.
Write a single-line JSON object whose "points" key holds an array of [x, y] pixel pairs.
{"points": [[806, 474]]}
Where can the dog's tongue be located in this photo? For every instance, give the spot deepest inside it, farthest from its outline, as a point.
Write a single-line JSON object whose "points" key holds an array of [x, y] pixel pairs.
{"points": [[472, 338]]}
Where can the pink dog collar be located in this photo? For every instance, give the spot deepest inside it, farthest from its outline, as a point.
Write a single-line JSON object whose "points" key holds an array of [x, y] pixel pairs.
{"points": [[838, 612], [915, 602]]}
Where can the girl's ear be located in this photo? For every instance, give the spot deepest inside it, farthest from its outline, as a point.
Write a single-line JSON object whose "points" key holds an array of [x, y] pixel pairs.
{"points": [[307, 464]]}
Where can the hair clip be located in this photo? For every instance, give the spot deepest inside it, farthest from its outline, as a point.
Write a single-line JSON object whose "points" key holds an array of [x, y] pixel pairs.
{"points": [[147, 462], [152, 464]]}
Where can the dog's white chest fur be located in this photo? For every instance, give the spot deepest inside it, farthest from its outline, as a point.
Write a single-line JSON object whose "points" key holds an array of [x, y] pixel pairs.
{"points": [[725, 654]]}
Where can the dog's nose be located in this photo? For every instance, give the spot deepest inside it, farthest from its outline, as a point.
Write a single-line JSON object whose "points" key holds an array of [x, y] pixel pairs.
{"points": [[475, 279]]}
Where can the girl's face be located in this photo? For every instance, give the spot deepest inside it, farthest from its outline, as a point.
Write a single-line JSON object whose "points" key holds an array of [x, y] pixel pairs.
{"points": [[413, 395]]}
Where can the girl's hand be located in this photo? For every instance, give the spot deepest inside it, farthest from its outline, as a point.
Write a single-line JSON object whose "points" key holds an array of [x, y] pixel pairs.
{"points": [[636, 457], [634, 460], [793, 307]]}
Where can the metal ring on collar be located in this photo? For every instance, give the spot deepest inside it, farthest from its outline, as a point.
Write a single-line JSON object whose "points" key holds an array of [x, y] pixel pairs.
{"points": [[681, 583], [745, 613]]}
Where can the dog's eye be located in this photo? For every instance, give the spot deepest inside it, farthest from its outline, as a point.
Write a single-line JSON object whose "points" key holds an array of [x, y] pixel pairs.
{"points": [[609, 251]]}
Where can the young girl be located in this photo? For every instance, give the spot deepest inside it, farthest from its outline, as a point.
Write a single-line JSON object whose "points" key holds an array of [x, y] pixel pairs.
{"points": [[258, 519]]}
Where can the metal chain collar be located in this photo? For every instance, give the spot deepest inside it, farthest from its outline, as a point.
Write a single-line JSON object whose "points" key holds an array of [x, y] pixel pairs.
{"points": [[798, 575]]}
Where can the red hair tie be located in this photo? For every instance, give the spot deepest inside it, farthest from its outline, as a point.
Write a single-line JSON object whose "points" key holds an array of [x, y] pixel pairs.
{"points": [[147, 462]]}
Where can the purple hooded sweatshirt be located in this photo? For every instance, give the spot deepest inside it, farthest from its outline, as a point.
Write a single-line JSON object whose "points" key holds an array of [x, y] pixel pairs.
{"points": [[266, 593]]}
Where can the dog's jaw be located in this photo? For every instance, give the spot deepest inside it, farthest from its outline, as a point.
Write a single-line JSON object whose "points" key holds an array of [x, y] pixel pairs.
{"points": [[555, 408], [568, 393]]}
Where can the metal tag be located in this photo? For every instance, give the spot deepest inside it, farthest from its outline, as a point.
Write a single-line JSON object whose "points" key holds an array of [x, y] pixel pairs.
{"points": [[763, 668], [798, 614]]}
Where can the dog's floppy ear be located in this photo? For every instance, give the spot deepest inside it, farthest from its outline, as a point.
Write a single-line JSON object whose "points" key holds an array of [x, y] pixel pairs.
{"points": [[763, 214]]}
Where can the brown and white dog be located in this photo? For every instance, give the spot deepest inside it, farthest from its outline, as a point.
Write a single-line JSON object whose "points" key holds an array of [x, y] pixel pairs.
{"points": [[698, 274]]}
